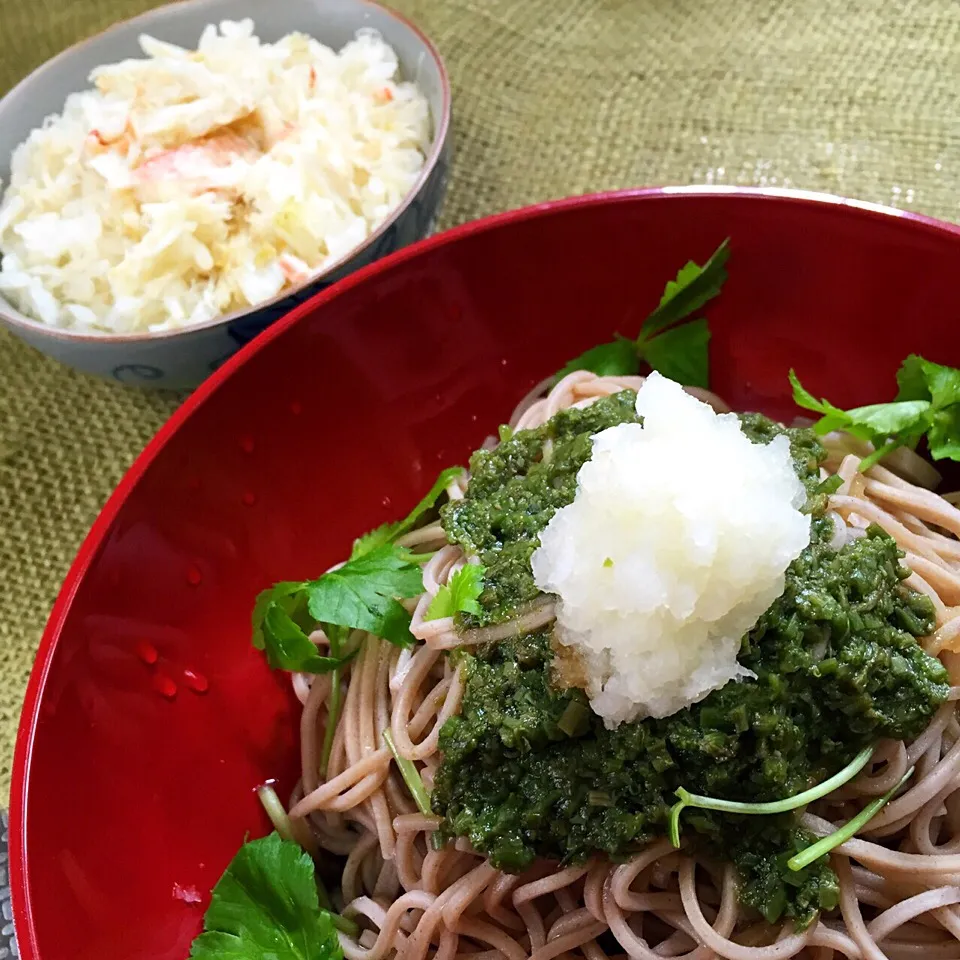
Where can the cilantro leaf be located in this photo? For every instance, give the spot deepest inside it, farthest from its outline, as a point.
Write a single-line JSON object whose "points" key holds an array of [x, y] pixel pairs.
{"points": [[694, 287], [615, 359], [364, 593], [681, 353], [388, 532], [265, 907], [459, 595]]}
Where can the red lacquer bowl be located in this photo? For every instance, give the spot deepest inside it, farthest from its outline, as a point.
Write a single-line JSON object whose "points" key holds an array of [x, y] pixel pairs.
{"points": [[149, 719]]}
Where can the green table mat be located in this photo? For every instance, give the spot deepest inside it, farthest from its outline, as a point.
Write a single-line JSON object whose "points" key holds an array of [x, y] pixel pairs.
{"points": [[551, 97]]}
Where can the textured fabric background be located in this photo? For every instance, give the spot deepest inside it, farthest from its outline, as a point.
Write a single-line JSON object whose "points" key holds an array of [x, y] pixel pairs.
{"points": [[551, 97]]}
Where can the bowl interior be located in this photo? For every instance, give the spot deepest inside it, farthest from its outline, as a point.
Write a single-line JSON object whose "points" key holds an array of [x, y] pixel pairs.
{"points": [[333, 22], [132, 789]]}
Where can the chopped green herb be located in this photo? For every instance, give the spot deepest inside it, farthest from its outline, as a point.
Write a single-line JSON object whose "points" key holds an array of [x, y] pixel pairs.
{"points": [[388, 532], [678, 352], [575, 719], [927, 404], [838, 668], [266, 906], [504, 432], [688, 799], [831, 485], [460, 594], [850, 829]]}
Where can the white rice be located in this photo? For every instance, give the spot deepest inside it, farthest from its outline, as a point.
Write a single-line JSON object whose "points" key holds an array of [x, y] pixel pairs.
{"points": [[676, 542], [194, 183]]}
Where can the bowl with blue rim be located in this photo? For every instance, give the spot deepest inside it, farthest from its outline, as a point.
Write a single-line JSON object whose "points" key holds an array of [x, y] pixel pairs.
{"points": [[183, 356]]}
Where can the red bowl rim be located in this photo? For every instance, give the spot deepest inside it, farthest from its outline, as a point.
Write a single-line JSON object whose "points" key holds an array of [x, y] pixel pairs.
{"points": [[19, 871]]}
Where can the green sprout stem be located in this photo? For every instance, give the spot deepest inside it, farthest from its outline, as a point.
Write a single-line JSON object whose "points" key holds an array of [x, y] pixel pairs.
{"points": [[336, 698], [343, 924], [874, 458], [411, 777], [688, 799], [852, 827], [275, 811], [333, 715], [284, 827]]}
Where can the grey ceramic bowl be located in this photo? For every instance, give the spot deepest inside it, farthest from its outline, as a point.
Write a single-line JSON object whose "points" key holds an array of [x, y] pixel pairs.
{"points": [[183, 358]]}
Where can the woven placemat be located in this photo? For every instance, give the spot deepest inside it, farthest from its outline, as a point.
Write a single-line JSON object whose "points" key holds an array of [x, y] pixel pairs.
{"points": [[551, 97]]}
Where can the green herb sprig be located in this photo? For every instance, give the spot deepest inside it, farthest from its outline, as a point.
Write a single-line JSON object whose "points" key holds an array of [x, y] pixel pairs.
{"points": [[678, 350], [927, 405], [460, 595], [363, 594], [688, 799], [852, 827], [267, 904], [389, 532]]}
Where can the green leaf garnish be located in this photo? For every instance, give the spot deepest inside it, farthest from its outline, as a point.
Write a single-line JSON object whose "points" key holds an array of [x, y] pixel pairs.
{"points": [[928, 403], [920, 379], [852, 827], [281, 627], [411, 776], [678, 352], [619, 358], [266, 906], [943, 437], [363, 594], [388, 532], [460, 595], [681, 353], [688, 799], [693, 288]]}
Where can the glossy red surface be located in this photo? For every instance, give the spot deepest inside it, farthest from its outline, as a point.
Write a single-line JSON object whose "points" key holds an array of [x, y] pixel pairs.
{"points": [[149, 719]]}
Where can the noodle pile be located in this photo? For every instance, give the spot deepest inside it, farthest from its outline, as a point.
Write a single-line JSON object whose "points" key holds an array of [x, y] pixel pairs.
{"points": [[899, 881]]}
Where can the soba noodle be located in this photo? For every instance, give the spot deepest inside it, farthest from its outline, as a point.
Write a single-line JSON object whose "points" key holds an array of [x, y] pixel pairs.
{"points": [[899, 881]]}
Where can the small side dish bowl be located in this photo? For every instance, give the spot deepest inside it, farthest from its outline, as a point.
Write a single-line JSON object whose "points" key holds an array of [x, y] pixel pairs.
{"points": [[185, 356]]}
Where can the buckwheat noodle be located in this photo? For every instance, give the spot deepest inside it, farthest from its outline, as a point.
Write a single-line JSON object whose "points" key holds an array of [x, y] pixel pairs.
{"points": [[899, 880]]}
